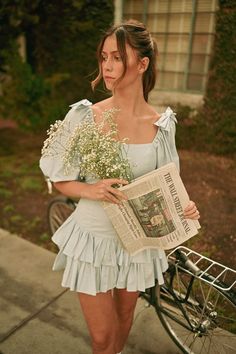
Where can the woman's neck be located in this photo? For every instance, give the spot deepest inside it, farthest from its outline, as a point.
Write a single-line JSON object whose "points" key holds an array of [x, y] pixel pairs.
{"points": [[132, 101]]}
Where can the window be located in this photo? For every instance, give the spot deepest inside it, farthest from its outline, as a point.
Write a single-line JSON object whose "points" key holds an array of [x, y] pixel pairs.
{"points": [[184, 31]]}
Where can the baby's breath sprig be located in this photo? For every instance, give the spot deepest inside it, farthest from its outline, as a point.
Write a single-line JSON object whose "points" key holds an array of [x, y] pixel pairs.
{"points": [[95, 150], [57, 133]]}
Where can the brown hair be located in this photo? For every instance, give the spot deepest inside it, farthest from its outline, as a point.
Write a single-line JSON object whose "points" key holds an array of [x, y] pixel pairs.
{"points": [[136, 35]]}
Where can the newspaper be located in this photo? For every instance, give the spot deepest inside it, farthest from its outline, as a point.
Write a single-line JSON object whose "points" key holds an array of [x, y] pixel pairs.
{"points": [[153, 215]]}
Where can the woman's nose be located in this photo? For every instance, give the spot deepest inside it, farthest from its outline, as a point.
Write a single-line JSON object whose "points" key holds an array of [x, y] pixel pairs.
{"points": [[108, 64]]}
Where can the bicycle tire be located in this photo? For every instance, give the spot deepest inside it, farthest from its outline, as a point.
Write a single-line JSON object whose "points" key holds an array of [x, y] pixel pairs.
{"points": [[59, 209], [207, 321]]}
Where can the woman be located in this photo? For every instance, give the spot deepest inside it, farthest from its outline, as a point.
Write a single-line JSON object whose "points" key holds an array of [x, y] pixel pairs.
{"points": [[106, 278]]}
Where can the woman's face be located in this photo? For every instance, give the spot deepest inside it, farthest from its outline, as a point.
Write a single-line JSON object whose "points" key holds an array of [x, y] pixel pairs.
{"points": [[113, 68]]}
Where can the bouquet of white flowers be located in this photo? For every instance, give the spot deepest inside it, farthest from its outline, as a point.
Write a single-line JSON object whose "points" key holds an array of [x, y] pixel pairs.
{"points": [[93, 149]]}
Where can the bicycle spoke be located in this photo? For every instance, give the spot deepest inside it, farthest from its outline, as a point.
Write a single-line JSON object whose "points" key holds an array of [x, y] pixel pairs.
{"points": [[205, 301], [212, 344], [209, 344]]}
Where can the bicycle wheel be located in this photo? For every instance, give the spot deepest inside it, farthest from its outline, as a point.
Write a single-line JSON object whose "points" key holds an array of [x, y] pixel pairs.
{"points": [[59, 210], [198, 317]]}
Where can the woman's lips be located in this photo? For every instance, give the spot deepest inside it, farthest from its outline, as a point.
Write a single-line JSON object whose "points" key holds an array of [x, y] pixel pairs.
{"points": [[109, 78]]}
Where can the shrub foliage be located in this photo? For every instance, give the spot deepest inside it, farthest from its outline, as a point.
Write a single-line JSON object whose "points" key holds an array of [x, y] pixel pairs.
{"points": [[61, 40], [219, 111]]}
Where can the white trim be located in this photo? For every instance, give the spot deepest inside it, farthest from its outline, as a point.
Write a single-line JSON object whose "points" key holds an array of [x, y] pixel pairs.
{"points": [[162, 99], [118, 7]]}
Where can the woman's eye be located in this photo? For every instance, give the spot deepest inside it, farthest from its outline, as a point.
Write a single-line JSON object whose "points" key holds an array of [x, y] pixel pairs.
{"points": [[117, 58], [104, 58]]}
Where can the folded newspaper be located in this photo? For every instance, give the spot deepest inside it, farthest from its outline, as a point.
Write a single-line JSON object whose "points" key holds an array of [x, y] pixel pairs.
{"points": [[153, 217]]}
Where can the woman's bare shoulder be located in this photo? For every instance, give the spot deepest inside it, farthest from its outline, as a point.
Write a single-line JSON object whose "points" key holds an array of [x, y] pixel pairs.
{"points": [[102, 105], [151, 113], [99, 107]]}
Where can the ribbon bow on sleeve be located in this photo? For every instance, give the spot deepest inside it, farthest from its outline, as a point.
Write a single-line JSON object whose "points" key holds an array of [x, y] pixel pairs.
{"points": [[165, 119]]}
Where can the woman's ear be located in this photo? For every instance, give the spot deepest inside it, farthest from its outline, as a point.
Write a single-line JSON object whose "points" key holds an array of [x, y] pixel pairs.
{"points": [[143, 64]]}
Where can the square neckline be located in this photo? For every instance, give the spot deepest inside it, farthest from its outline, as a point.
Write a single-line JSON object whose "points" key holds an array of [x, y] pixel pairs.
{"points": [[130, 144]]}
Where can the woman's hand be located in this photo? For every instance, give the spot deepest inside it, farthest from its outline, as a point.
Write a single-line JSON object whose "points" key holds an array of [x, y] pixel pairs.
{"points": [[191, 211], [103, 190]]}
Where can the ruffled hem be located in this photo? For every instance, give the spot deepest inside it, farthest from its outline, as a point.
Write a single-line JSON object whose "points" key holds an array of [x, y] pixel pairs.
{"points": [[94, 264]]}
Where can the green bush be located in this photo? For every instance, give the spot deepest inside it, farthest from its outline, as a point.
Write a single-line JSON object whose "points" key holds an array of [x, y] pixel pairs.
{"points": [[26, 95], [61, 40], [191, 132], [219, 111]]}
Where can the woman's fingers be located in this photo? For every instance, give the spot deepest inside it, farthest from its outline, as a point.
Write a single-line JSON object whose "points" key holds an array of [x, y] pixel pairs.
{"points": [[112, 194], [111, 199], [191, 205], [103, 190], [112, 181], [118, 194], [194, 215], [191, 211]]}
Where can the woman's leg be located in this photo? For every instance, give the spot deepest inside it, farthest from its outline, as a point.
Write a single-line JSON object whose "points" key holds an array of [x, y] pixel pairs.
{"points": [[125, 302], [100, 315]]}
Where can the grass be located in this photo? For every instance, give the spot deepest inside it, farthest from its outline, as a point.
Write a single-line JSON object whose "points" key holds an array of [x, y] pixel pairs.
{"points": [[44, 237], [16, 218], [30, 184], [5, 193], [33, 223], [8, 208]]}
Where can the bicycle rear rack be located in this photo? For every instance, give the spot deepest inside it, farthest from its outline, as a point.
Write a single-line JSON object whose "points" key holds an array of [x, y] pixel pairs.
{"points": [[220, 276]]}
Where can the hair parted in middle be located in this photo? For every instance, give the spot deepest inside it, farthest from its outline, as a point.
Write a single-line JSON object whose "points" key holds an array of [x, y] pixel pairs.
{"points": [[136, 35]]}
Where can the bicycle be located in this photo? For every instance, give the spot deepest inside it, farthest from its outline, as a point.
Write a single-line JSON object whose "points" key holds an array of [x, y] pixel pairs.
{"points": [[196, 304]]}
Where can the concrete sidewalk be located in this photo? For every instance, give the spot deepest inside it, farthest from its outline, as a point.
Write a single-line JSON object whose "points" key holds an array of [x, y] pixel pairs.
{"points": [[38, 316]]}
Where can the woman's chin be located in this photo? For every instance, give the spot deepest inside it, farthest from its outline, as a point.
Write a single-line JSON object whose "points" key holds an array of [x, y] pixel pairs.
{"points": [[109, 86]]}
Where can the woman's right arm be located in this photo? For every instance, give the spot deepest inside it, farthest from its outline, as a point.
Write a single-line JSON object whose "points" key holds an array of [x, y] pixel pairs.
{"points": [[101, 190]]}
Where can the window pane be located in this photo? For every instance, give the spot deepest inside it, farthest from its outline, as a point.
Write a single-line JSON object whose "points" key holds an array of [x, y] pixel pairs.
{"points": [[159, 6], [158, 23], [206, 5], [133, 7], [197, 64], [178, 43], [195, 82], [202, 43], [180, 23], [170, 81], [160, 39], [203, 22], [169, 22], [173, 62], [181, 6]]}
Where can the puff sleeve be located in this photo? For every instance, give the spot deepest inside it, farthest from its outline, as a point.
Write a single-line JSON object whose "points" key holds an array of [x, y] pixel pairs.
{"points": [[51, 161], [165, 142]]}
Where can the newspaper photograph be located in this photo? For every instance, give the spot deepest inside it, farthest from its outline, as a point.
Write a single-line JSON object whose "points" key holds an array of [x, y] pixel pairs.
{"points": [[153, 217]]}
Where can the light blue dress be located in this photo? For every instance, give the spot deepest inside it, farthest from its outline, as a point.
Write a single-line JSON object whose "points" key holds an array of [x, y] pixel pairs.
{"points": [[89, 249]]}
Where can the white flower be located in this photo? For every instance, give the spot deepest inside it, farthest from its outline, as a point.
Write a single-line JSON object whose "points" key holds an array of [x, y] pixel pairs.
{"points": [[53, 134]]}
